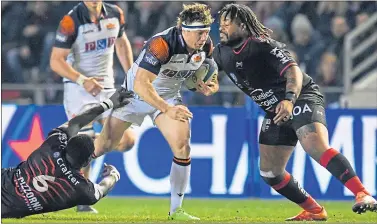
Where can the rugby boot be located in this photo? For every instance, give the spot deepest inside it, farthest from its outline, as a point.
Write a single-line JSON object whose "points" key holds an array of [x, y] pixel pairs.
{"points": [[310, 216], [181, 215], [86, 208], [364, 202]]}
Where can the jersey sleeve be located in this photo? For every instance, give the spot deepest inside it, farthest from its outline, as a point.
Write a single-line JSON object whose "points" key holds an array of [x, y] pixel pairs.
{"points": [[278, 57], [122, 22], [216, 57], [91, 193], [155, 54], [66, 33], [208, 48]]}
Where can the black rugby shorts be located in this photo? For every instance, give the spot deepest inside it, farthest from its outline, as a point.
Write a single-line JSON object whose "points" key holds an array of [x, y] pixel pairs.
{"points": [[304, 112]]}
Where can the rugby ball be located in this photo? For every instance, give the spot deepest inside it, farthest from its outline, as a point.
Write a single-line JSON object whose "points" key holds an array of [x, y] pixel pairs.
{"points": [[205, 72]]}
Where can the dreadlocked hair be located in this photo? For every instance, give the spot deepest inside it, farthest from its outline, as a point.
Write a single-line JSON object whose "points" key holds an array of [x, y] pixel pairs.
{"points": [[195, 12], [243, 14]]}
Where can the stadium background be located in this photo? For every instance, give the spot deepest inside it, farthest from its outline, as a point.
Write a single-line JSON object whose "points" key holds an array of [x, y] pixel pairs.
{"points": [[224, 133]]}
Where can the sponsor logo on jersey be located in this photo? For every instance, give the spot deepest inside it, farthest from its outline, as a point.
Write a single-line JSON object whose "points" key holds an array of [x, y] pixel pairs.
{"points": [[182, 74], [278, 53], [239, 64], [264, 99], [177, 62], [150, 59], [99, 44], [88, 31], [60, 37], [26, 193]]}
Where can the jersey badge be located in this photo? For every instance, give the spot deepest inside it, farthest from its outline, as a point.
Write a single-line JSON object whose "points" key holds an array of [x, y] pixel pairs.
{"points": [[239, 65], [110, 26]]}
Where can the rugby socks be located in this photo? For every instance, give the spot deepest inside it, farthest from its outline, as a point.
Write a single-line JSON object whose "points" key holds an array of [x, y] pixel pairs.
{"points": [[338, 165], [179, 176], [288, 186]]}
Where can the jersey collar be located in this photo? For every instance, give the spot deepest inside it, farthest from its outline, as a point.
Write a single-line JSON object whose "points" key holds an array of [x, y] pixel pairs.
{"points": [[86, 14]]}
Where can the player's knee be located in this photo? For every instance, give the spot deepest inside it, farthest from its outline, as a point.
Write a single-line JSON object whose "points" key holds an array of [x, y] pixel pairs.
{"points": [[182, 149], [126, 144]]}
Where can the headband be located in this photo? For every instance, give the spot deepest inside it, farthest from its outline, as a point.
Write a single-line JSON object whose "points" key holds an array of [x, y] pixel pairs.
{"points": [[196, 26]]}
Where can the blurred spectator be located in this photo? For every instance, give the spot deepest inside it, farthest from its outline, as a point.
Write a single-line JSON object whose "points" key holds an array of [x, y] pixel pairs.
{"points": [[328, 76], [279, 34], [146, 19], [339, 28], [307, 44]]}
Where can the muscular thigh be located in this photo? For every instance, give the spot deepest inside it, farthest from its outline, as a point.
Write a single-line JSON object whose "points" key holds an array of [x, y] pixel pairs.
{"points": [[113, 129], [274, 135], [176, 133]]}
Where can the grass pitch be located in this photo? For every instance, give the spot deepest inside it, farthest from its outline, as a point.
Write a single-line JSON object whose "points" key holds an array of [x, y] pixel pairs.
{"points": [[154, 210]]}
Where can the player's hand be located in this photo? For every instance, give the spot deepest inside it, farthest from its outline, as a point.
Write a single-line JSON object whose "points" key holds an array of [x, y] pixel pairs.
{"points": [[283, 112], [206, 89], [121, 97], [179, 112], [92, 86], [110, 170]]}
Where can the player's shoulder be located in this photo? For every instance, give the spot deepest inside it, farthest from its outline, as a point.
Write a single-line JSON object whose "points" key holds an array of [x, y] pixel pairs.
{"points": [[266, 44], [74, 18], [164, 44], [222, 50], [60, 133]]}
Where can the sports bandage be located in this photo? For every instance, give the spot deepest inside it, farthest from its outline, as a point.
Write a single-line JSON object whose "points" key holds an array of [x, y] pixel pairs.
{"points": [[80, 80], [268, 174], [107, 104], [196, 26]]}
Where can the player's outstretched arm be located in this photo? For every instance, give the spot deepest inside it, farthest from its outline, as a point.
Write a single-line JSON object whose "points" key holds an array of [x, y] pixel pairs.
{"points": [[118, 99], [110, 177]]}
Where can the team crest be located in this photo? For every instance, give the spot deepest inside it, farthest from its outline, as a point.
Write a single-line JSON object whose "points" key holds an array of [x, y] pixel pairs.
{"points": [[197, 58], [110, 26]]}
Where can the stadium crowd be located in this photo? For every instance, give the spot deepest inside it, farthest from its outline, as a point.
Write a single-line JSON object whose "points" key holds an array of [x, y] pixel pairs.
{"points": [[314, 32]]}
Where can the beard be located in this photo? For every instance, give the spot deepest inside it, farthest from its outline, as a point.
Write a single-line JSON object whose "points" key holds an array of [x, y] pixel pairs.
{"points": [[233, 41]]}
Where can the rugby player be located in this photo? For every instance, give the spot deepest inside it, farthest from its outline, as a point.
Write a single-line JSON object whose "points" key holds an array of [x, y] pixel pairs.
{"points": [[166, 60], [50, 180], [83, 56], [264, 70]]}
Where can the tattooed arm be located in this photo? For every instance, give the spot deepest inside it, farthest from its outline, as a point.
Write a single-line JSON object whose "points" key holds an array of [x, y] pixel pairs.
{"points": [[292, 90], [294, 83]]}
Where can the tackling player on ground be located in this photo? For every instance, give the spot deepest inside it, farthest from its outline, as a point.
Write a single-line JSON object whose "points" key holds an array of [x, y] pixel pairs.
{"points": [[83, 55], [50, 180], [263, 69], [156, 77]]}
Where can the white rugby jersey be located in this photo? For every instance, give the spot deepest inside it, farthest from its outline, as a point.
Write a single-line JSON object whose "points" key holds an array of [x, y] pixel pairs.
{"points": [[91, 44], [165, 55]]}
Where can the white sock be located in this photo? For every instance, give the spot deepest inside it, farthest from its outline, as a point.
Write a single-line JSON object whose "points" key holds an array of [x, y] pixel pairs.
{"points": [[179, 176]]}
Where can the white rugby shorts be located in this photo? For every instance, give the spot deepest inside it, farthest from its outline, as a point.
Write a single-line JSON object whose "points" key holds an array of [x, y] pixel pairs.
{"points": [[137, 110], [77, 100]]}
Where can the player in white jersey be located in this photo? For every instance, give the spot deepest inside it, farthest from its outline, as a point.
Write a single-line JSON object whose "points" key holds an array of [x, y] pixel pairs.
{"points": [[166, 60], [83, 55]]}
